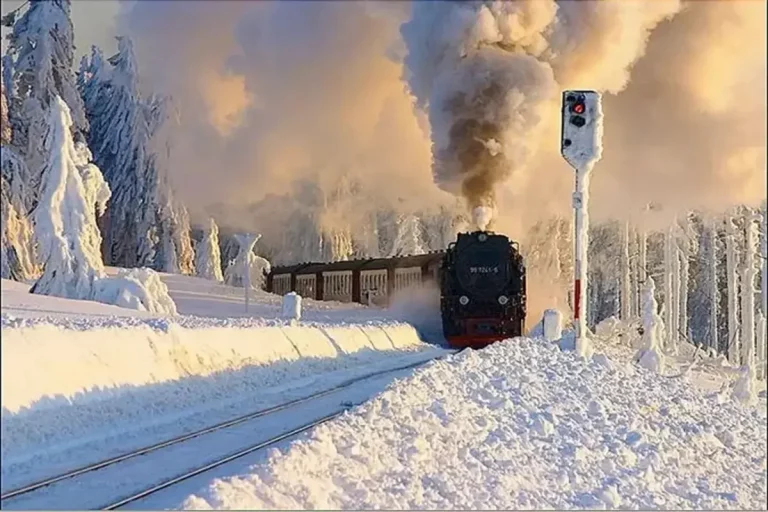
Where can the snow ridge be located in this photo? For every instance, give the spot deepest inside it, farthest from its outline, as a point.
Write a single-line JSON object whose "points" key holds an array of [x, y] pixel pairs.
{"points": [[518, 425]]}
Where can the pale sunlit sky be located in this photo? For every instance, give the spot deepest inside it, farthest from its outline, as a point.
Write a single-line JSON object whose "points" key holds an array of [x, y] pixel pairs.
{"points": [[94, 23]]}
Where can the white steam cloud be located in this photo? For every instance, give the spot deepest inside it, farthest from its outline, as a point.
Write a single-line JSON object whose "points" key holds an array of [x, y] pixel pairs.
{"points": [[489, 74], [285, 104]]}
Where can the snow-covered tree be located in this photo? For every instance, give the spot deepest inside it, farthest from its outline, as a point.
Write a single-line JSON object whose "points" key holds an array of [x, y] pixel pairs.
{"points": [[714, 294], [671, 289], [408, 240], [365, 239], [5, 125], [208, 258], [258, 267], [337, 244], [17, 256], [172, 215], [749, 272], [441, 228], [626, 275], [146, 226], [745, 386], [762, 319], [732, 279], [604, 291], [39, 61], [687, 246], [764, 258], [65, 223], [74, 191], [650, 354]]}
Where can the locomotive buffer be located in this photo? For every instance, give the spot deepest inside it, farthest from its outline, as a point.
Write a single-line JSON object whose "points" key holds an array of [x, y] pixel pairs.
{"points": [[581, 145]]}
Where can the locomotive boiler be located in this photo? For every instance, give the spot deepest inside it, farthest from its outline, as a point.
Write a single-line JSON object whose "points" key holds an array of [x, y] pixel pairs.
{"points": [[482, 290]]}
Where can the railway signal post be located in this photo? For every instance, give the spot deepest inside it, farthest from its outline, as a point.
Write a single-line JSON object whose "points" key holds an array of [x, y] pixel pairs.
{"points": [[581, 137]]}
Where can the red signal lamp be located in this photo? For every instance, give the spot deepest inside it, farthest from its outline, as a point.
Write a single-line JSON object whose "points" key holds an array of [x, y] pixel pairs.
{"points": [[578, 108]]}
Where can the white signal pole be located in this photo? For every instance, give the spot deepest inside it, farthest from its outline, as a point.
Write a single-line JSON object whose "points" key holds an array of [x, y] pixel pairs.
{"points": [[581, 146]]}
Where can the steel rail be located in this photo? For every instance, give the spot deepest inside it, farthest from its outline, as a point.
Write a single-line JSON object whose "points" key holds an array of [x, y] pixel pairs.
{"points": [[213, 428], [219, 462]]}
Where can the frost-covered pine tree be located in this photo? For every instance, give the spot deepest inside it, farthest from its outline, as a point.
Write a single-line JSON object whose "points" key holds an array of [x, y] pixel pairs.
{"points": [[650, 355], [408, 240], [764, 258], [714, 294], [208, 258], [118, 139], [258, 267], [17, 248], [626, 275], [145, 225], [337, 244], [39, 62], [732, 280], [745, 388], [441, 228], [762, 319], [172, 216], [671, 288], [366, 237], [65, 222], [687, 246], [749, 272], [74, 190]]}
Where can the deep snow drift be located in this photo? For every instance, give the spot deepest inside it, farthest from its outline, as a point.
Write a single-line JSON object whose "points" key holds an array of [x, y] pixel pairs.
{"points": [[520, 424], [81, 379]]}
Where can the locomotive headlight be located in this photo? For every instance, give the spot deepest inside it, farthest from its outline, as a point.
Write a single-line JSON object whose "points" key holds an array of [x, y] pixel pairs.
{"points": [[463, 300], [482, 237], [503, 299]]}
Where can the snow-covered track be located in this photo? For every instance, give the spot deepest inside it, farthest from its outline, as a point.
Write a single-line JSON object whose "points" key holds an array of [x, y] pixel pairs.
{"points": [[38, 485], [229, 458]]}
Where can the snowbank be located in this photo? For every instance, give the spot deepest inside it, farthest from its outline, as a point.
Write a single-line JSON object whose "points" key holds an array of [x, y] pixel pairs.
{"points": [[520, 424], [71, 396], [43, 361], [139, 288]]}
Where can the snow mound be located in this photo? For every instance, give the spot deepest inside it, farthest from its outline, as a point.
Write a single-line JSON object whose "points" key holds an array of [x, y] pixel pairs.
{"points": [[292, 306], [140, 289], [71, 396], [520, 424], [46, 360]]}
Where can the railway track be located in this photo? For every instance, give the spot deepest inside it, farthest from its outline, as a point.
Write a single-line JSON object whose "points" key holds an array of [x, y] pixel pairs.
{"points": [[27, 490]]}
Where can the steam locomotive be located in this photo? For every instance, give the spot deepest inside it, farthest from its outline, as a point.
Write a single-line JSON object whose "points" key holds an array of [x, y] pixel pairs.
{"points": [[482, 290]]}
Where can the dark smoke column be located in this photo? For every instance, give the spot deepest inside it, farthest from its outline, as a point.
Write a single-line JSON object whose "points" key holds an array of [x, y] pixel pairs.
{"points": [[485, 93], [489, 75]]}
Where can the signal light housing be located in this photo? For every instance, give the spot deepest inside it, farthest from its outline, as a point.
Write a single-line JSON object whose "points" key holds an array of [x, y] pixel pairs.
{"points": [[581, 128]]}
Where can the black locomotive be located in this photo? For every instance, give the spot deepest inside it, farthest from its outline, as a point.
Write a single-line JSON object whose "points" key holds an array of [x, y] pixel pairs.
{"points": [[482, 290]]}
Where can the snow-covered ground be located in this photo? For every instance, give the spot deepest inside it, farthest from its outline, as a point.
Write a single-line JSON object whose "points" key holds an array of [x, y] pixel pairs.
{"points": [[521, 424], [82, 381]]}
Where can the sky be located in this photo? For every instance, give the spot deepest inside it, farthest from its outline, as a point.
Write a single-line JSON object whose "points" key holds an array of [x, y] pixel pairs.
{"points": [[94, 23]]}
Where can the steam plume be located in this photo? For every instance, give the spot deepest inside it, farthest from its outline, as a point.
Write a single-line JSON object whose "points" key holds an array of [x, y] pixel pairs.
{"points": [[278, 99], [489, 74]]}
